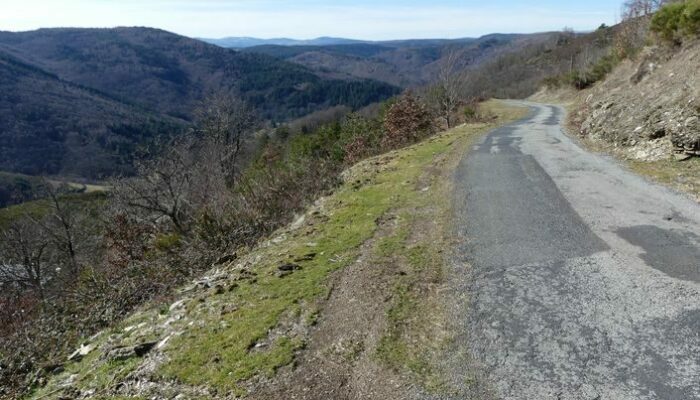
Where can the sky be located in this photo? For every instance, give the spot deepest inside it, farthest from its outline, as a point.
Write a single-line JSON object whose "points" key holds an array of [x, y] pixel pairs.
{"points": [[305, 19]]}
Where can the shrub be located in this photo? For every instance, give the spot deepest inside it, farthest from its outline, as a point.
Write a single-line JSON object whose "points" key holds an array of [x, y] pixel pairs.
{"points": [[690, 19], [407, 121], [666, 21], [360, 137], [676, 20], [603, 67], [470, 113], [584, 79]]}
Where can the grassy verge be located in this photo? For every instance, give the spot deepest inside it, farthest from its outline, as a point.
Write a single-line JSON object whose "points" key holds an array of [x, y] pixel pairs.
{"points": [[680, 175], [251, 319], [419, 244], [39, 208]]}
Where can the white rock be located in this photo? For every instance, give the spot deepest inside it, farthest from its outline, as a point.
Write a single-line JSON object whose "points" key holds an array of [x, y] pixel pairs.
{"points": [[163, 342], [176, 304], [81, 352]]}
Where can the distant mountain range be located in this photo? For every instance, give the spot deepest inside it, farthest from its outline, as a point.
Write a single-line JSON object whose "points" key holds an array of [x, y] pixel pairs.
{"points": [[497, 65], [404, 63], [244, 42]]}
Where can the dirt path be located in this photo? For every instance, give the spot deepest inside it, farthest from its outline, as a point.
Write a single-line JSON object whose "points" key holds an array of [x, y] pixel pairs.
{"points": [[582, 280]]}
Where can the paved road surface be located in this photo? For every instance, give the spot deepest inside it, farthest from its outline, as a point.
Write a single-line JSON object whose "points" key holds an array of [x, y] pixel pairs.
{"points": [[584, 279]]}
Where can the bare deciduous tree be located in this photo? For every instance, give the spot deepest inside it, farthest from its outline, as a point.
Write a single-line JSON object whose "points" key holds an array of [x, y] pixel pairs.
{"points": [[640, 8], [196, 173], [225, 122], [60, 226], [161, 190], [24, 257], [447, 95]]}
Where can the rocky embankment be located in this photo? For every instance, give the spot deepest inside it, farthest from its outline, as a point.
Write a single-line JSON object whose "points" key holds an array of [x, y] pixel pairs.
{"points": [[648, 108]]}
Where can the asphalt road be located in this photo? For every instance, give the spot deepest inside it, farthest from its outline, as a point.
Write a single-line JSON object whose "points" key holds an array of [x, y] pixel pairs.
{"points": [[581, 280]]}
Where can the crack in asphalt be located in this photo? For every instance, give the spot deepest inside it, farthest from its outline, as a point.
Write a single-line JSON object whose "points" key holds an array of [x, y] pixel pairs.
{"points": [[583, 279]]}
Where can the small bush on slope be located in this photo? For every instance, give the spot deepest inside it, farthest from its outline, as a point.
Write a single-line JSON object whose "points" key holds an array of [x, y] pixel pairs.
{"points": [[666, 22], [675, 21], [407, 121], [690, 20]]}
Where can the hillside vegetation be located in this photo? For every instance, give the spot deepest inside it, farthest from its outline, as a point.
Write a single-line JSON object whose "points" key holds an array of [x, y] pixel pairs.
{"points": [[383, 232], [49, 126], [504, 66], [205, 199], [177, 71]]}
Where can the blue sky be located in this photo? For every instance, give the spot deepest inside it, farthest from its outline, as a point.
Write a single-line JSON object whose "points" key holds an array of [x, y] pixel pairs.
{"points": [[303, 19]]}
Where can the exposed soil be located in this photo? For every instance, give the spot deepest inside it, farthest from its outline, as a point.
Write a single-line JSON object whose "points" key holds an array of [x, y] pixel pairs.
{"points": [[340, 361]]}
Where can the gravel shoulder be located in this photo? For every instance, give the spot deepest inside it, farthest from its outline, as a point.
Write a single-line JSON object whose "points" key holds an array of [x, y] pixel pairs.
{"points": [[575, 278]]}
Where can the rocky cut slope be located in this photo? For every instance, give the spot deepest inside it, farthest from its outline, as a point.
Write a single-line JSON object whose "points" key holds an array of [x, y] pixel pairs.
{"points": [[647, 108]]}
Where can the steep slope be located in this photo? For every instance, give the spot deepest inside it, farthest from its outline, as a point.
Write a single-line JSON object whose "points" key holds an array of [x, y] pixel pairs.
{"points": [[520, 72], [275, 323], [650, 107], [50, 126], [170, 73]]}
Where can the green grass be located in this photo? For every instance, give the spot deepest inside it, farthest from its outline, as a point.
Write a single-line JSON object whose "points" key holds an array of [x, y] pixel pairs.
{"points": [[352, 222], [39, 208], [680, 175], [414, 339]]}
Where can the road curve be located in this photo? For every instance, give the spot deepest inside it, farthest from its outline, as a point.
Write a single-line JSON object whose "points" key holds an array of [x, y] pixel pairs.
{"points": [[582, 279]]}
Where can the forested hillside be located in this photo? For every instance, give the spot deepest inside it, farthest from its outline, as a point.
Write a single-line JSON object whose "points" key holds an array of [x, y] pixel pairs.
{"points": [[108, 93], [521, 72], [498, 65], [51, 126], [170, 73], [80, 101]]}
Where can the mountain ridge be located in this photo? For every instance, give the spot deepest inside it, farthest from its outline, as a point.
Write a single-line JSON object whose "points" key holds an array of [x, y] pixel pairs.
{"points": [[404, 63], [244, 42], [240, 42]]}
